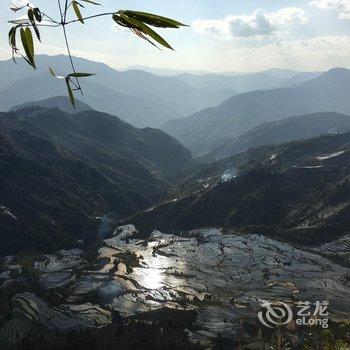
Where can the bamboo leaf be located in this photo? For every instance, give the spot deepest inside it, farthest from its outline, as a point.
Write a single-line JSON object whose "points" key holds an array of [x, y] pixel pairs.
{"points": [[12, 41], [70, 92], [153, 20], [37, 33], [81, 75], [31, 15], [136, 24], [37, 14], [142, 36], [77, 11], [32, 21], [28, 46], [30, 42], [54, 74], [147, 30], [12, 37]]}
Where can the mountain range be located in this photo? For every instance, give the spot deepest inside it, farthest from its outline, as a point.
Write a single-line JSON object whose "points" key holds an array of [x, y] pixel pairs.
{"points": [[296, 191], [96, 164], [61, 102], [240, 83], [138, 97], [59, 171], [284, 130], [212, 127]]}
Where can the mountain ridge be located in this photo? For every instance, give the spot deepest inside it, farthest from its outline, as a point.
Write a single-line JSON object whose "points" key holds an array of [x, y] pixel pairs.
{"points": [[297, 191], [157, 98], [284, 130], [60, 171], [61, 102], [211, 127]]}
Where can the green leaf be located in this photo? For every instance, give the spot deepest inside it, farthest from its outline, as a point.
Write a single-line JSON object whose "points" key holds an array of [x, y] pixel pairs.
{"points": [[37, 33], [77, 11], [133, 23], [12, 41], [12, 37], [37, 14], [70, 92], [153, 20], [32, 21], [30, 42], [54, 74], [28, 46], [31, 15], [81, 75]]}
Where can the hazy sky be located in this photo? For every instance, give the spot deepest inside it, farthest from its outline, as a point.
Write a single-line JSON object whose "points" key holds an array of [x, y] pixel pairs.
{"points": [[225, 35]]}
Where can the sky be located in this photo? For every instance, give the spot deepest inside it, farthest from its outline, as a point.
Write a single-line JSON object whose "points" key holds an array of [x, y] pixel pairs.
{"points": [[224, 35]]}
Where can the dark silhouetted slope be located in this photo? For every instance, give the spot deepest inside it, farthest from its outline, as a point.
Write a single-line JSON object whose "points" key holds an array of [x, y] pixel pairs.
{"points": [[59, 171], [298, 191]]}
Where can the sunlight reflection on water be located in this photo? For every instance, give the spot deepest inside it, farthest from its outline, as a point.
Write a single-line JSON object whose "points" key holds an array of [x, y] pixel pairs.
{"points": [[151, 278]]}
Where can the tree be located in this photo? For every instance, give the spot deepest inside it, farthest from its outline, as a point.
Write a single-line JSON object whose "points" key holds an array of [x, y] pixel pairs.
{"points": [[139, 23]]}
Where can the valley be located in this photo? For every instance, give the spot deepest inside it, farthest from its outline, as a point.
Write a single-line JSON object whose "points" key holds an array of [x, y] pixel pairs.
{"points": [[169, 209]]}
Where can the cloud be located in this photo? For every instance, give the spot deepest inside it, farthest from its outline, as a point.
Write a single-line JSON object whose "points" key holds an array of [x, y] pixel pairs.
{"points": [[20, 3], [318, 53], [342, 7], [258, 24]]}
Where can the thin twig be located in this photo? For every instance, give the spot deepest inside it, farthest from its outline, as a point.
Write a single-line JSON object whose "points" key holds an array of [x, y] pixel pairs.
{"points": [[67, 46], [50, 18], [65, 11], [60, 8], [89, 17]]}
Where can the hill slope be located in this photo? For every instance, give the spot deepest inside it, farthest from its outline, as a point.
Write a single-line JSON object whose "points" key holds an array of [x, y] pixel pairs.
{"points": [[59, 171], [204, 130], [284, 130], [298, 191], [137, 111], [61, 102]]}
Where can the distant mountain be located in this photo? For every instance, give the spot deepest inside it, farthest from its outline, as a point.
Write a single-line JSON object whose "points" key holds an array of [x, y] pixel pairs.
{"points": [[59, 171], [333, 89], [244, 82], [300, 78], [236, 83], [162, 98], [281, 73], [285, 130], [137, 111], [212, 127], [61, 102], [165, 71], [299, 192]]}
